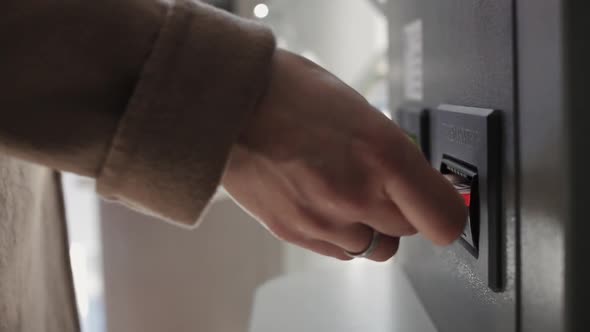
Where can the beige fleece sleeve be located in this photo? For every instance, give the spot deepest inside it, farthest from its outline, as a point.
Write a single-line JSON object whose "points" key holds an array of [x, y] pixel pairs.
{"points": [[146, 96], [199, 85]]}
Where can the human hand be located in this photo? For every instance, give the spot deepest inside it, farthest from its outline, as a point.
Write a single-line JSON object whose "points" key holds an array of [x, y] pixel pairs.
{"points": [[320, 168]]}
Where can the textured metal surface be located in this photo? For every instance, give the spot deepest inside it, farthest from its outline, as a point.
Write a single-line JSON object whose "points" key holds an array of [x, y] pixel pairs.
{"points": [[467, 60]]}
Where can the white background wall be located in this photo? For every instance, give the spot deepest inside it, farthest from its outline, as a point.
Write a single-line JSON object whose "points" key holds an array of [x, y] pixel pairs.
{"points": [[159, 277]]}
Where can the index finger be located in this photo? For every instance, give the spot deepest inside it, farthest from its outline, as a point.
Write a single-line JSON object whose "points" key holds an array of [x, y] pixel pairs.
{"points": [[427, 200]]}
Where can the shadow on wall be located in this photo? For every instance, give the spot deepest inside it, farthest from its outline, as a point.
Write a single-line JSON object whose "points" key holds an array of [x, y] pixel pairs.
{"points": [[159, 277]]}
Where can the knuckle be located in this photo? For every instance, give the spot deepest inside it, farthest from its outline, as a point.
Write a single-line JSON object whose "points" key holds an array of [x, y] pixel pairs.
{"points": [[373, 156], [348, 189], [402, 229], [284, 233], [388, 250], [319, 228], [309, 223], [409, 231], [327, 190], [359, 200], [382, 259]]}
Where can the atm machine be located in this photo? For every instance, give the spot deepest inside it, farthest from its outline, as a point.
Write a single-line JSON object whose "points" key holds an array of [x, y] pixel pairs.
{"points": [[493, 92]]}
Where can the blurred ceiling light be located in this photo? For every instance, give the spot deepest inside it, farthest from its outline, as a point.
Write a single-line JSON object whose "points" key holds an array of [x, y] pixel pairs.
{"points": [[261, 10]]}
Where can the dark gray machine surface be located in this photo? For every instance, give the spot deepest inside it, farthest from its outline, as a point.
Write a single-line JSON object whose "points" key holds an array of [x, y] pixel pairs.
{"points": [[468, 60], [577, 68], [544, 164], [553, 56]]}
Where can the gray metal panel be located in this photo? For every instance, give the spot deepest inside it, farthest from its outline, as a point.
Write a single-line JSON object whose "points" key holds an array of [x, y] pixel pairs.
{"points": [[468, 60], [544, 164]]}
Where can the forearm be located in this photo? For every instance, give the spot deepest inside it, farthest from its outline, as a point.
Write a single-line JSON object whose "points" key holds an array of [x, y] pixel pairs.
{"points": [[144, 96]]}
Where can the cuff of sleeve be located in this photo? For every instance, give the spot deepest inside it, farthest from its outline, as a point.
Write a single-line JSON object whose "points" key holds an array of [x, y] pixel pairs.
{"points": [[198, 87]]}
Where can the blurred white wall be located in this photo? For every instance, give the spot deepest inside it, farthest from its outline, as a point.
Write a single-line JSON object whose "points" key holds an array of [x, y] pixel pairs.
{"points": [[159, 277], [347, 37]]}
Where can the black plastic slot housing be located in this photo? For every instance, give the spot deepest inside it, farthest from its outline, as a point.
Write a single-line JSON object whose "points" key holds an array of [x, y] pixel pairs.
{"points": [[467, 141], [464, 178]]}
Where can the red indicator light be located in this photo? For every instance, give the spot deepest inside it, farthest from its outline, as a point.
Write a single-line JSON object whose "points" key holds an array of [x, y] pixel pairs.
{"points": [[467, 198], [462, 186]]}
